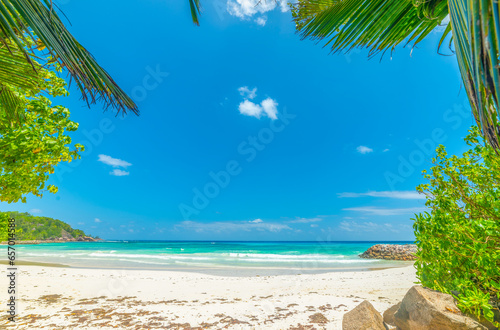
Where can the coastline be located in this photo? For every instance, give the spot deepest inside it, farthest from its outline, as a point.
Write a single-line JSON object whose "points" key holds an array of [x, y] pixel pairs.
{"points": [[130, 299], [219, 271], [36, 242]]}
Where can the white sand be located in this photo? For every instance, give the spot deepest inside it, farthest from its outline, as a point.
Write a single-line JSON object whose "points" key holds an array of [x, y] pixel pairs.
{"points": [[135, 299]]}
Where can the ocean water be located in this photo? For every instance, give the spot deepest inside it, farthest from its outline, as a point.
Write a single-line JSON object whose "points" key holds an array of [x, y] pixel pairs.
{"points": [[218, 258]]}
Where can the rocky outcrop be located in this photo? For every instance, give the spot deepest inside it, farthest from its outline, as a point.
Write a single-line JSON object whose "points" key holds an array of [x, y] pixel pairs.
{"points": [[389, 315], [423, 309], [363, 317], [391, 252]]}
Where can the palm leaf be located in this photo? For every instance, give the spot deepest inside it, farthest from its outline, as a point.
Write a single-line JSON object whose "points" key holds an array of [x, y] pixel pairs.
{"points": [[195, 7], [16, 74], [475, 26], [12, 105], [378, 25], [36, 18]]}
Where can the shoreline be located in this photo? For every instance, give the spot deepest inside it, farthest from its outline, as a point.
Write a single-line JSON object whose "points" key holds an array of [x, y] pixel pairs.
{"points": [[36, 242], [132, 299], [221, 270]]}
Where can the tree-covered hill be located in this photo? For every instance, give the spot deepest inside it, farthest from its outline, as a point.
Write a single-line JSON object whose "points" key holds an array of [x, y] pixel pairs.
{"points": [[30, 227]]}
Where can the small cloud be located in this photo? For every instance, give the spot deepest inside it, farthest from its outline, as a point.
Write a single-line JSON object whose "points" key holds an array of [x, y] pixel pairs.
{"points": [[97, 220], [385, 150], [248, 108], [261, 20], [118, 172], [404, 194], [248, 93], [257, 221], [245, 9], [386, 211], [115, 162], [305, 220], [367, 226], [268, 107], [364, 150], [81, 223], [35, 211], [231, 226], [314, 225]]}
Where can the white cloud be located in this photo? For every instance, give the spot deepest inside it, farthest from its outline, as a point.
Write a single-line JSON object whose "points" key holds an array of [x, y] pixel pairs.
{"points": [[34, 211], [261, 20], [257, 221], [230, 226], [385, 150], [249, 108], [248, 93], [305, 220], [270, 108], [245, 9], [118, 172], [405, 194], [115, 162], [364, 150], [97, 220], [367, 226], [81, 223], [314, 225], [386, 211]]}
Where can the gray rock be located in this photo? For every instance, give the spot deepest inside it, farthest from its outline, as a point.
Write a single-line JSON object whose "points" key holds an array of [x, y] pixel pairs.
{"points": [[423, 309], [389, 314], [391, 252], [363, 317]]}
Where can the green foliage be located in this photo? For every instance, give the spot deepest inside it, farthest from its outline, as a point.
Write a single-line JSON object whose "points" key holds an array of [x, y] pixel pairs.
{"points": [[459, 240], [29, 152], [25, 21], [4, 223], [381, 25], [29, 227], [475, 26], [378, 25]]}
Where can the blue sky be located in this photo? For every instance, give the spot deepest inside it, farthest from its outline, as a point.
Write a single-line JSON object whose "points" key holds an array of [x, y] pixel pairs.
{"points": [[248, 133]]}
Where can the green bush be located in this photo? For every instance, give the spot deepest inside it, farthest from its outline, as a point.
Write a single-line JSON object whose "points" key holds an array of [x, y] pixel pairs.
{"points": [[459, 240], [4, 225]]}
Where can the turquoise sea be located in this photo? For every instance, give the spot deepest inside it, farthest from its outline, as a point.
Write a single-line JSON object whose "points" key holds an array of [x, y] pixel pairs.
{"points": [[223, 258]]}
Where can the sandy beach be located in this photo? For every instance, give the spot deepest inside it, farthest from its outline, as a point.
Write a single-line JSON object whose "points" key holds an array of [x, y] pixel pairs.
{"points": [[78, 298]]}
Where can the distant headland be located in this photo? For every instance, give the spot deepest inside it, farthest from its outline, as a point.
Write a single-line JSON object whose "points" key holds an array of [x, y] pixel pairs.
{"points": [[32, 229]]}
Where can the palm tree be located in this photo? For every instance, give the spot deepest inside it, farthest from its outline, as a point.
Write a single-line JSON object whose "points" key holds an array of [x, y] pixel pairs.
{"points": [[381, 25], [33, 35]]}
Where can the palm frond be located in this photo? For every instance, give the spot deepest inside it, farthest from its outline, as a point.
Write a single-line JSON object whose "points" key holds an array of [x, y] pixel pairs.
{"points": [[38, 19], [12, 106], [16, 71], [378, 25], [16, 74], [195, 7], [476, 33]]}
